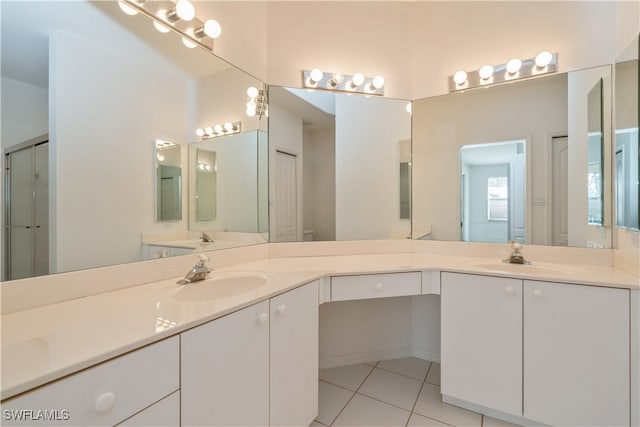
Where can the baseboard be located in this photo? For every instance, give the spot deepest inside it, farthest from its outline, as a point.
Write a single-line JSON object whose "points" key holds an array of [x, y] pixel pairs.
{"points": [[424, 354], [371, 356]]}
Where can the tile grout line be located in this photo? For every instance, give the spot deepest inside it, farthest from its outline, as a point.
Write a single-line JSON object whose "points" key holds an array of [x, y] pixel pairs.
{"points": [[353, 395], [404, 375]]}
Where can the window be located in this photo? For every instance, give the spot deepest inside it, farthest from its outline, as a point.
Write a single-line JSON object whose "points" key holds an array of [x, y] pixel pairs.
{"points": [[497, 198]]}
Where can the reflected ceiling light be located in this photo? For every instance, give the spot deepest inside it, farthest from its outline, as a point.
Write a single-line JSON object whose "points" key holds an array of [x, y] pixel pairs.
{"points": [[485, 72], [228, 126], [251, 112], [184, 10], [253, 92], [200, 132], [377, 82], [219, 130], [336, 79], [212, 28], [316, 75], [357, 80], [514, 65], [543, 59], [460, 77], [127, 9], [160, 157], [208, 130], [257, 104]]}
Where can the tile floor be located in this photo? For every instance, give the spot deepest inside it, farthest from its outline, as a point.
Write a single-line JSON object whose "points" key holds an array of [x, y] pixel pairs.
{"points": [[401, 392]]}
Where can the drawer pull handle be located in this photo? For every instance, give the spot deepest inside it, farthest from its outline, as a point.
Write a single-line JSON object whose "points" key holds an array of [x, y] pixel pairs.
{"points": [[105, 402], [282, 309], [263, 318], [537, 293], [509, 290], [379, 286]]}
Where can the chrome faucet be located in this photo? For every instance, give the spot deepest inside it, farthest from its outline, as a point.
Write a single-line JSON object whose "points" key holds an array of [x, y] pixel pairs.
{"points": [[205, 237], [200, 271], [516, 256]]}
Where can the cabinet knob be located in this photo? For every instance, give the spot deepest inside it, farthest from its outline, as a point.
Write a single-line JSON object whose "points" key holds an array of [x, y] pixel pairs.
{"points": [[282, 309], [379, 286], [263, 318], [104, 402], [538, 293], [509, 290]]}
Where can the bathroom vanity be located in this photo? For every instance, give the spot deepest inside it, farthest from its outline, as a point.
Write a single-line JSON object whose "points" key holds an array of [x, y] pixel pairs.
{"points": [[558, 342]]}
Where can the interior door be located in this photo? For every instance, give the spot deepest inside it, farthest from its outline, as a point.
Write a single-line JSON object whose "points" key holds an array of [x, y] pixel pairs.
{"points": [[560, 191], [286, 203]]}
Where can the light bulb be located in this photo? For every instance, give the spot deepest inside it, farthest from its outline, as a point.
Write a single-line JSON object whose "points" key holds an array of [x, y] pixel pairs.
{"points": [[336, 79], [408, 108], [316, 75], [513, 66], [127, 9], [460, 77], [185, 10], [160, 157], [200, 132], [251, 112], [228, 127], [161, 27], [207, 167], [485, 72], [201, 166], [253, 92], [543, 59], [378, 82], [212, 28], [218, 128], [188, 43], [209, 130], [357, 79]]}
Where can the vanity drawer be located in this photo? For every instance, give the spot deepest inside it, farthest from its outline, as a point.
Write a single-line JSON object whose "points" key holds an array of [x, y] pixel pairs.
{"points": [[103, 395], [375, 286]]}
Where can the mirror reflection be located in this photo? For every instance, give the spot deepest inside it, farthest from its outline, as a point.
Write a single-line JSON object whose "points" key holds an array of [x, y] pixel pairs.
{"points": [[336, 170], [104, 86], [168, 181], [595, 142], [547, 120], [205, 184]]}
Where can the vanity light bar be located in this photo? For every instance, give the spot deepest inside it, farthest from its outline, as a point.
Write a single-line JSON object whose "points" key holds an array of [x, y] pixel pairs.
{"points": [[257, 104], [515, 69], [219, 130], [168, 16], [160, 143], [357, 83]]}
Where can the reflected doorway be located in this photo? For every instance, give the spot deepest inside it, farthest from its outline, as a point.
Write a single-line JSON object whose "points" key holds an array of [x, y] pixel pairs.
{"points": [[286, 201], [493, 192]]}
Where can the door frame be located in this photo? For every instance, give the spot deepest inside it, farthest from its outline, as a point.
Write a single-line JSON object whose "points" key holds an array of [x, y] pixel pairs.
{"points": [[549, 136]]}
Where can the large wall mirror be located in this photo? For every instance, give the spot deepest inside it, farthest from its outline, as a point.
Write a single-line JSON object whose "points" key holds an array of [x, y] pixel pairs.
{"points": [[516, 162], [86, 92], [340, 166]]}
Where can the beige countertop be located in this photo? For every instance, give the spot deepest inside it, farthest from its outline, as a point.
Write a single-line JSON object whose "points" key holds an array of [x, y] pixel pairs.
{"points": [[43, 344]]}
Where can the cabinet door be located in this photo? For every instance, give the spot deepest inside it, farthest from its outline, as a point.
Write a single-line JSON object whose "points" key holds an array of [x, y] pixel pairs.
{"points": [[225, 370], [482, 340], [294, 357], [165, 413], [576, 347]]}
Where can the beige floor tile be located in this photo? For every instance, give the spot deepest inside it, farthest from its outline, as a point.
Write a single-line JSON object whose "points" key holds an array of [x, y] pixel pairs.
{"points": [[392, 388], [331, 400], [492, 422], [417, 420], [349, 377], [434, 374], [409, 366], [430, 405], [365, 412], [316, 424]]}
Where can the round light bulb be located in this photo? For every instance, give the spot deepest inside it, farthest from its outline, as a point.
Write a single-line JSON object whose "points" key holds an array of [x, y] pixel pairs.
{"points": [[460, 77], [378, 82], [218, 128], [188, 43], [127, 9], [207, 167], [316, 75], [513, 66], [200, 132], [336, 79], [253, 92], [228, 127], [485, 72], [209, 130], [543, 59], [160, 157], [408, 108], [160, 27], [212, 28], [201, 166], [185, 10], [357, 79], [251, 112]]}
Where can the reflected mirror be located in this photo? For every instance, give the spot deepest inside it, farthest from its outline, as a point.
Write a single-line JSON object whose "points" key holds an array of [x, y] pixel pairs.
{"points": [[595, 142], [168, 181], [104, 86], [339, 166], [205, 197], [547, 118]]}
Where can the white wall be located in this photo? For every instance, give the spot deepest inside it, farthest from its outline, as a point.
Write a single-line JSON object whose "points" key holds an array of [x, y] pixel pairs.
{"points": [[320, 183], [24, 112], [368, 131], [102, 150], [441, 125]]}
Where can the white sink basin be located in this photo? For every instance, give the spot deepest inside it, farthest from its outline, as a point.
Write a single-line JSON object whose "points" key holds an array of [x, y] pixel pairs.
{"points": [[526, 269], [224, 285]]}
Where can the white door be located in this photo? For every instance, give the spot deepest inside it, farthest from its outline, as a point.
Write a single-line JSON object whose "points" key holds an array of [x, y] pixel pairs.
{"points": [[482, 341], [224, 364], [294, 357], [559, 191], [517, 197], [576, 354], [286, 200]]}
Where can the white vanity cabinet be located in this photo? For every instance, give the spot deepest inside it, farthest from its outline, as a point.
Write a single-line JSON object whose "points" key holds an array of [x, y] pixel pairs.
{"points": [[257, 366], [106, 394], [549, 352]]}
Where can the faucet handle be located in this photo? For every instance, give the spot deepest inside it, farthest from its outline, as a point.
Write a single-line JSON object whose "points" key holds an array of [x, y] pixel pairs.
{"points": [[515, 245], [203, 260]]}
